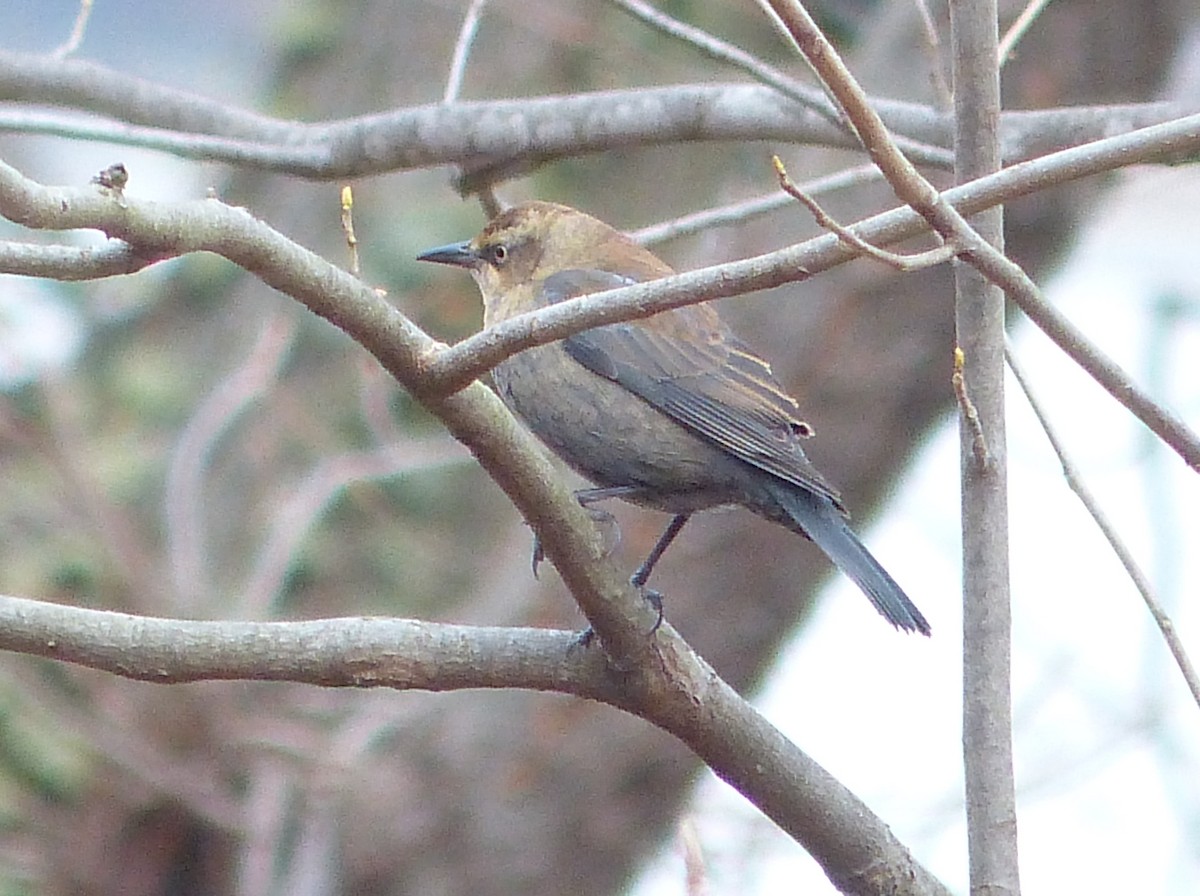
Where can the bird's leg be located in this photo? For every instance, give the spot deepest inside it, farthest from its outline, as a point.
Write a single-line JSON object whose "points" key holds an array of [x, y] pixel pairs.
{"points": [[586, 498], [642, 574]]}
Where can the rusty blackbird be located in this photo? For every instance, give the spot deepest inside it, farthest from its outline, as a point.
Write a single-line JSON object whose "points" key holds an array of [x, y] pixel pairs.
{"points": [[671, 412]]}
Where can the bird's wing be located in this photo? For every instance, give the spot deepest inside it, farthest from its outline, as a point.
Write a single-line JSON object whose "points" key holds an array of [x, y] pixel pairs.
{"points": [[687, 364]]}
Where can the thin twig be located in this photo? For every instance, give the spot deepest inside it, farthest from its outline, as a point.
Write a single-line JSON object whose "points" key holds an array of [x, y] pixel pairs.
{"points": [[183, 492], [1018, 28], [970, 414], [737, 212], [75, 38], [1075, 482], [462, 50], [492, 206], [903, 263], [728, 54], [915, 190], [945, 97], [348, 229], [724, 52], [489, 201], [696, 881]]}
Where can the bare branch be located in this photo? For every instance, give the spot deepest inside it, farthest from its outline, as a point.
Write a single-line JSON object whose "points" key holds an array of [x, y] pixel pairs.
{"points": [[736, 212], [933, 46], [1017, 29], [903, 263], [480, 134], [73, 262], [938, 209], [1075, 481], [979, 324], [75, 38], [350, 652], [462, 50], [183, 493], [677, 691]]}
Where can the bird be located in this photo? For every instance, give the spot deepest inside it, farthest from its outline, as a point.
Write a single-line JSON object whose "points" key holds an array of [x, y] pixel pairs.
{"points": [[672, 412]]}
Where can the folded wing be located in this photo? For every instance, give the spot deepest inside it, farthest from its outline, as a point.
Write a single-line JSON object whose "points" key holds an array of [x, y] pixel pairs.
{"points": [[687, 364]]}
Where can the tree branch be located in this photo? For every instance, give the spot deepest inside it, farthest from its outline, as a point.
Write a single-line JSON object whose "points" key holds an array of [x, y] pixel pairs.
{"points": [[349, 652], [1122, 551], [490, 134], [677, 691], [945, 218], [445, 371], [475, 416], [979, 325]]}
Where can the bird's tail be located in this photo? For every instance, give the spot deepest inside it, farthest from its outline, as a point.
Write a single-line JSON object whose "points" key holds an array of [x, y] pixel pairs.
{"points": [[815, 517]]}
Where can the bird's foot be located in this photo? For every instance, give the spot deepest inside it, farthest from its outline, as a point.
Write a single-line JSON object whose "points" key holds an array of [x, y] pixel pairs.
{"points": [[539, 554], [600, 517], [585, 638], [654, 599]]}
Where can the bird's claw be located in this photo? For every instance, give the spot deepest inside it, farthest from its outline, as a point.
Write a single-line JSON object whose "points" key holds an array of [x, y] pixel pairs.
{"points": [[655, 600], [538, 555], [585, 638], [600, 516]]}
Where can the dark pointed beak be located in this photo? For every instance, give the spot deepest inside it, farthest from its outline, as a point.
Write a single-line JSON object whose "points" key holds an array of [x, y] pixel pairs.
{"points": [[459, 254]]}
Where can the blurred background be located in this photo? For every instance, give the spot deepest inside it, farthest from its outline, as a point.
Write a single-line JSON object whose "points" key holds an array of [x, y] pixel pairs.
{"points": [[186, 442]]}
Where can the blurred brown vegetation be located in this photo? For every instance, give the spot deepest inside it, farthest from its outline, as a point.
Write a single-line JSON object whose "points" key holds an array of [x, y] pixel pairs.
{"points": [[155, 473]]}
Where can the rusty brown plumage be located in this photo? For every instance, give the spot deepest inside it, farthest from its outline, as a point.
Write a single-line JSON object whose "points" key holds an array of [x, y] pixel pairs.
{"points": [[671, 412]]}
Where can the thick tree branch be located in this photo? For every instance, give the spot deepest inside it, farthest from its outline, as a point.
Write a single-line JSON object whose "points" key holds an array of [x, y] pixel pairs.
{"points": [[350, 652], [111, 259], [676, 690], [987, 603], [489, 134]]}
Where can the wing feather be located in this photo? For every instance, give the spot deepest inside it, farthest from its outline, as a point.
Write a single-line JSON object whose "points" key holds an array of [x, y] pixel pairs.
{"points": [[687, 364]]}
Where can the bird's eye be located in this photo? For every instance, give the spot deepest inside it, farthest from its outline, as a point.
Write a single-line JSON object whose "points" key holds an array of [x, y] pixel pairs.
{"points": [[498, 254]]}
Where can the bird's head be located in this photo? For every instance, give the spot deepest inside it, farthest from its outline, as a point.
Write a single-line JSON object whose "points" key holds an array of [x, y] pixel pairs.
{"points": [[529, 242]]}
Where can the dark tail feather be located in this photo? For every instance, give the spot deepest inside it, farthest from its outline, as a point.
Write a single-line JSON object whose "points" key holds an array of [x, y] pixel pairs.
{"points": [[816, 517]]}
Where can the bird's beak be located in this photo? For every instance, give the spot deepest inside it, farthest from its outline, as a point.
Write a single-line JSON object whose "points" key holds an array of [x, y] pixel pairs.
{"points": [[459, 254]]}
